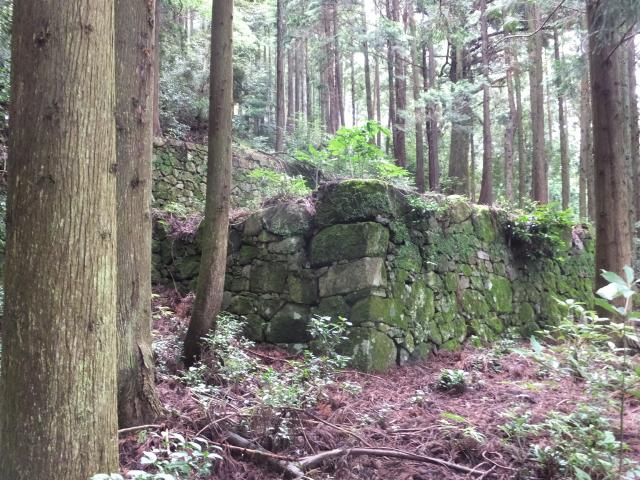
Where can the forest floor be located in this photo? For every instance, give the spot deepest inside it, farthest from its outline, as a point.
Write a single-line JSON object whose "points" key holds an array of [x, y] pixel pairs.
{"points": [[484, 427]]}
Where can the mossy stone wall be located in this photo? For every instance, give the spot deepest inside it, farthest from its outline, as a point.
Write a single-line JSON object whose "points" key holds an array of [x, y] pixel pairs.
{"points": [[412, 276], [180, 173]]}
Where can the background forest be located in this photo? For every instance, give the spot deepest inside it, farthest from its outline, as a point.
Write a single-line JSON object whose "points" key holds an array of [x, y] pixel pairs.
{"points": [[461, 177]]}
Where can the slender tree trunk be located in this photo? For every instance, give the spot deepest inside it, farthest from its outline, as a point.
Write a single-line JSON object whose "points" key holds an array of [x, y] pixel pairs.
{"points": [[460, 129], [486, 187], [353, 90], [400, 84], [633, 127], [58, 416], [562, 123], [509, 130], [522, 157], [377, 99], [307, 82], [472, 162], [137, 400], [367, 67], [390, 75], [157, 129], [280, 112], [613, 231], [418, 109], [539, 167], [586, 155], [433, 133], [297, 81], [291, 108], [338, 62], [216, 216]]}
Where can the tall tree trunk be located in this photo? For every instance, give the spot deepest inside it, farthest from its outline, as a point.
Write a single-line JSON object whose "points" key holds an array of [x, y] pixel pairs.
{"points": [[390, 76], [562, 123], [539, 166], [137, 400], [586, 156], [291, 108], [338, 62], [433, 134], [307, 83], [400, 84], [510, 129], [280, 112], [486, 187], [460, 128], [418, 109], [378, 105], [613, 231], [58, 416], [633, 127], [353, 90], [157, 129], [367, 66], [297, 81], [216, 216], [522, 157]]}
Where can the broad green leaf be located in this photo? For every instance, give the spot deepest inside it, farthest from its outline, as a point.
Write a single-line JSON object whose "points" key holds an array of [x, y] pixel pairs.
{"points": [[610, 291], [613, 277], [628, 271]]}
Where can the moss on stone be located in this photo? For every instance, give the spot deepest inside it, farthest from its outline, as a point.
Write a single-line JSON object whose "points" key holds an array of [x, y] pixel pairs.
{"points": [[287, 219], [303, 288], [247, 254], [289, 325], [348, 242], [354, 276], [501, 294], [370, 350], [408, 258], [378, 310], [268, 277], [483, 224], [353, 200]]}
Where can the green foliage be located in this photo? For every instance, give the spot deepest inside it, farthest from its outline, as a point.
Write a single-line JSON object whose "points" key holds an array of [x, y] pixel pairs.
{"points": [[454, 423], [452, 380], [542, 232], [352, 153], [278, 185], [594, 350]]}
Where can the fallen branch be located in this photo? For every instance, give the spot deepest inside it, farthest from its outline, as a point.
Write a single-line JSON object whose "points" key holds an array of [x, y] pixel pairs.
{"points": [[139, 427], [250, 448], [314, 461], [336, 427]]}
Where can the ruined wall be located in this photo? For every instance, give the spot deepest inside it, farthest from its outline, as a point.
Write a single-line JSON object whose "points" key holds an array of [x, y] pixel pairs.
{"points": [[411, 274], [180, 172]]}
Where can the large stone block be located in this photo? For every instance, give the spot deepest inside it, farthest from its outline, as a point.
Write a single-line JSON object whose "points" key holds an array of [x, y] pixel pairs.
{"points": [[354, 200], [268, 277], [289, 325], [350, 277], [348, 242], [370, 350], [287, 219]]}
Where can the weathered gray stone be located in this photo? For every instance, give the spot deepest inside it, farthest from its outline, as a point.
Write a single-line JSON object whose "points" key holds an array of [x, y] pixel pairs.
{"points": [[287, 219], [289, 325], [348, 242], [367, 272], [268, 277]]}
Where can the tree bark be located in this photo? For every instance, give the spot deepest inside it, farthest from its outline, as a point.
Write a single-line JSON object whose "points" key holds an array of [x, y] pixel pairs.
{"points": [[539, 167], [586, 154], [291, 109], [367, 66], [418, 109], [338, 61], [353, 90], [216, 216], [562, 123], [137, 400], [460, 128], [522, 157], [633, 127], [157, 128], [400, 84], [378, 105], [390, 76], [486, 187], [280, 112], [58, 417], [510, 129], [433, 133], [613, 231]]}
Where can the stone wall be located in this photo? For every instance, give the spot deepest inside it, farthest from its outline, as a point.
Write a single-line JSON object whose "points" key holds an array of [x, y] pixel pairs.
{"points": [[180, 172], [412, 274]]}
